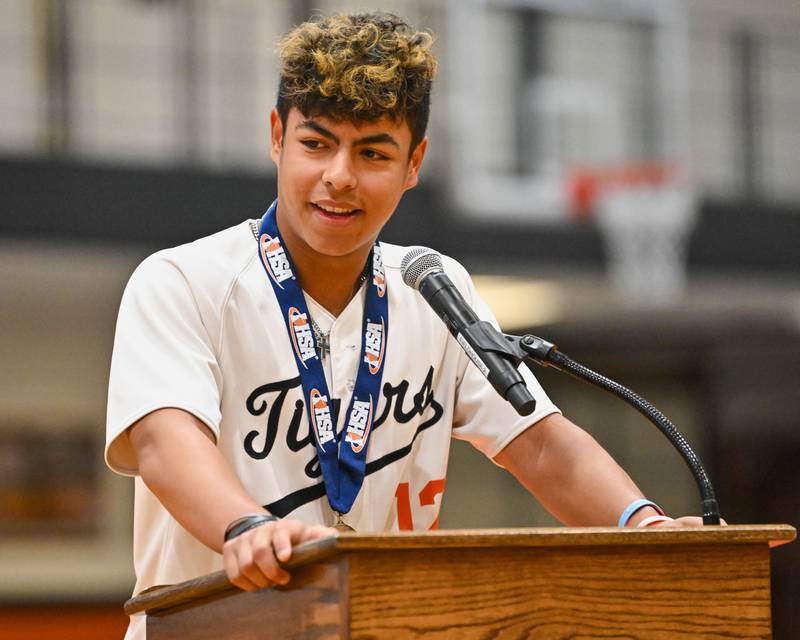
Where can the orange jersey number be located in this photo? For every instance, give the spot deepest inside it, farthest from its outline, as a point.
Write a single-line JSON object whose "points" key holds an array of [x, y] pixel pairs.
{"points": [[426, 497]]}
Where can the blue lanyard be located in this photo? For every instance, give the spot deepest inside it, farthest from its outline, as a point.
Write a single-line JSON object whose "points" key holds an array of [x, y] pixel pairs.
{"points": [[342, 464]]}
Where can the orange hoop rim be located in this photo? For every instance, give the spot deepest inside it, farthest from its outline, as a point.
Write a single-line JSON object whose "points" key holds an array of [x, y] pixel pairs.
{"points": [[585, 185]]}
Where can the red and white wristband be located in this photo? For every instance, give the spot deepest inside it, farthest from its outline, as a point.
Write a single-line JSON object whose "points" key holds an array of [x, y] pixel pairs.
{"points": [[653, 520]]}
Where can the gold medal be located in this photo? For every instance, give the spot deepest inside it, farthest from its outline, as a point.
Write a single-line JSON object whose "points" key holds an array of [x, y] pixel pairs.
{"points": [[341, 525]]}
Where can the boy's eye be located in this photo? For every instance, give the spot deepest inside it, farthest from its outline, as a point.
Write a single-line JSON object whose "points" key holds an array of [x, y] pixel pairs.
{"points": [[373, 155], [312, 144]]}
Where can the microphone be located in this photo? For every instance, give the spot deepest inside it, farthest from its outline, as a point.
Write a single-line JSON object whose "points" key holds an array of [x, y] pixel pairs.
{"points": [[423, 270]]}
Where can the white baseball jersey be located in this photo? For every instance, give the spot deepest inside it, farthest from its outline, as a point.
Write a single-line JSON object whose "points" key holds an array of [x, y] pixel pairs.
{"points": [[200, 329]]}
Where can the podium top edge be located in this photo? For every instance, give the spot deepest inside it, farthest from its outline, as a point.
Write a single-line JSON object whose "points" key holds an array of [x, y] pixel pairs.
{"points": [[163, 597], [774, 534]]}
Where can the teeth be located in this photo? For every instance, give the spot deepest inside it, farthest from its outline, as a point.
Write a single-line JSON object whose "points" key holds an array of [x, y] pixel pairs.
{"points": [[334, 209]]}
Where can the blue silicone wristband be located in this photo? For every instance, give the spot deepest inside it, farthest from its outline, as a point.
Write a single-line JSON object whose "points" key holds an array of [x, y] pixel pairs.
{"points": [[633, 507]]}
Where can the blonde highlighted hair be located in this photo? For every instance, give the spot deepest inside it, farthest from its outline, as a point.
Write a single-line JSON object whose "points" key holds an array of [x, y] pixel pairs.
{"points": [[358, 67]]}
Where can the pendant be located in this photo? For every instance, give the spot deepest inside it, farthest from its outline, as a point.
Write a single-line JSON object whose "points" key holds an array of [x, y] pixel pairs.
{"points": [[342, 526]]}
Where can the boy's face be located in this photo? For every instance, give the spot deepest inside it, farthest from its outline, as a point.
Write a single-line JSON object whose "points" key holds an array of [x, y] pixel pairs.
{"points": [[339, 182]]}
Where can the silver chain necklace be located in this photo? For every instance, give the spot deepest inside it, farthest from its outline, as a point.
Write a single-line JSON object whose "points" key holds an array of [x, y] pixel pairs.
{"points": [[322, 338]]}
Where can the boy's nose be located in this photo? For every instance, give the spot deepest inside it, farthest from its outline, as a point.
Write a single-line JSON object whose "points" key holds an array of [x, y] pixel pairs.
{"points": [[339, 174]]}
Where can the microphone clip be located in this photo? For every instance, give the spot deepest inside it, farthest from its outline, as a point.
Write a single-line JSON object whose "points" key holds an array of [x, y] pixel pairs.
{"points": [[530, 347], [513, 348], [483, 335]]}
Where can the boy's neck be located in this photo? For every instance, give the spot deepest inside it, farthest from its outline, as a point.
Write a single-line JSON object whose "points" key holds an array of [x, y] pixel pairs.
{"points": [[331, 280]]}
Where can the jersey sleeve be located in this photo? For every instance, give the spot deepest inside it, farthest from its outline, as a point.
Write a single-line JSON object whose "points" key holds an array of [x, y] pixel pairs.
{"points": [[163, 357], [481, 416]]}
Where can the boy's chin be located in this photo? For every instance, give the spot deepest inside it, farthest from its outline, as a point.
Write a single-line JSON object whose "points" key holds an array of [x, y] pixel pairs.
{"points": [[332, 248]]}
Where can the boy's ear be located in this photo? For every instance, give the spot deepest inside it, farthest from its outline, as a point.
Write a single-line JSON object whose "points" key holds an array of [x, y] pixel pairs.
{"points": [[276, 133], [415, 164]]}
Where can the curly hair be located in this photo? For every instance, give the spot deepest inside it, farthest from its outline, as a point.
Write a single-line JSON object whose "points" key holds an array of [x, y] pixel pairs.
{"points": [[358, 67]]}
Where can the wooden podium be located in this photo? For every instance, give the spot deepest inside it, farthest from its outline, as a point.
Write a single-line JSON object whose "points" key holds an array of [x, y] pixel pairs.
{"points": [[708, 582]]}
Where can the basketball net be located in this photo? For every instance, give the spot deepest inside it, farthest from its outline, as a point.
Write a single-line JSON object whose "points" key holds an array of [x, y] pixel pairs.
{"points": [[645, 214]]}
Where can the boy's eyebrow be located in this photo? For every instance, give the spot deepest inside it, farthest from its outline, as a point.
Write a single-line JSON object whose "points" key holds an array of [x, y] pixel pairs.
{"points": [[378, 138], [310, 124]]}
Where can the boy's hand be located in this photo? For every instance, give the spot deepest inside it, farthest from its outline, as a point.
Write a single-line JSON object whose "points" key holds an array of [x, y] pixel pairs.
{"points": [[685, 521], [252, 560]]}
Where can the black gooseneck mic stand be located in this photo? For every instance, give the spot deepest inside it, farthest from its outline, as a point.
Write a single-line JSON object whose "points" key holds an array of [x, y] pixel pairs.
{"points": [[531, 349]]}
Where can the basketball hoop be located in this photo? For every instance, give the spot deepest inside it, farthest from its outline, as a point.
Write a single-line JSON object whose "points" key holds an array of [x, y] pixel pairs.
{"points": [[645, 213]]}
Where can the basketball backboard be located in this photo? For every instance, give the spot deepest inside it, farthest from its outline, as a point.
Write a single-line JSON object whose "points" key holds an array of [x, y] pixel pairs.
{"points": [[539, 88], [544, 93]]}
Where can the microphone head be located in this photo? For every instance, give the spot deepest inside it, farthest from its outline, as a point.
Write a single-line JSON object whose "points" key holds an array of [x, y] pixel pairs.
{"points": [[418, 263]]}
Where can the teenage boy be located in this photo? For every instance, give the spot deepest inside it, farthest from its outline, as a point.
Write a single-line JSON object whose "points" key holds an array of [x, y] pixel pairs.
{"points": [[278, 378]]}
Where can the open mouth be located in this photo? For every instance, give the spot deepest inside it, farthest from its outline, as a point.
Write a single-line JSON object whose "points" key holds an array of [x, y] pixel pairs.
{"points": [[334, 212]]}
